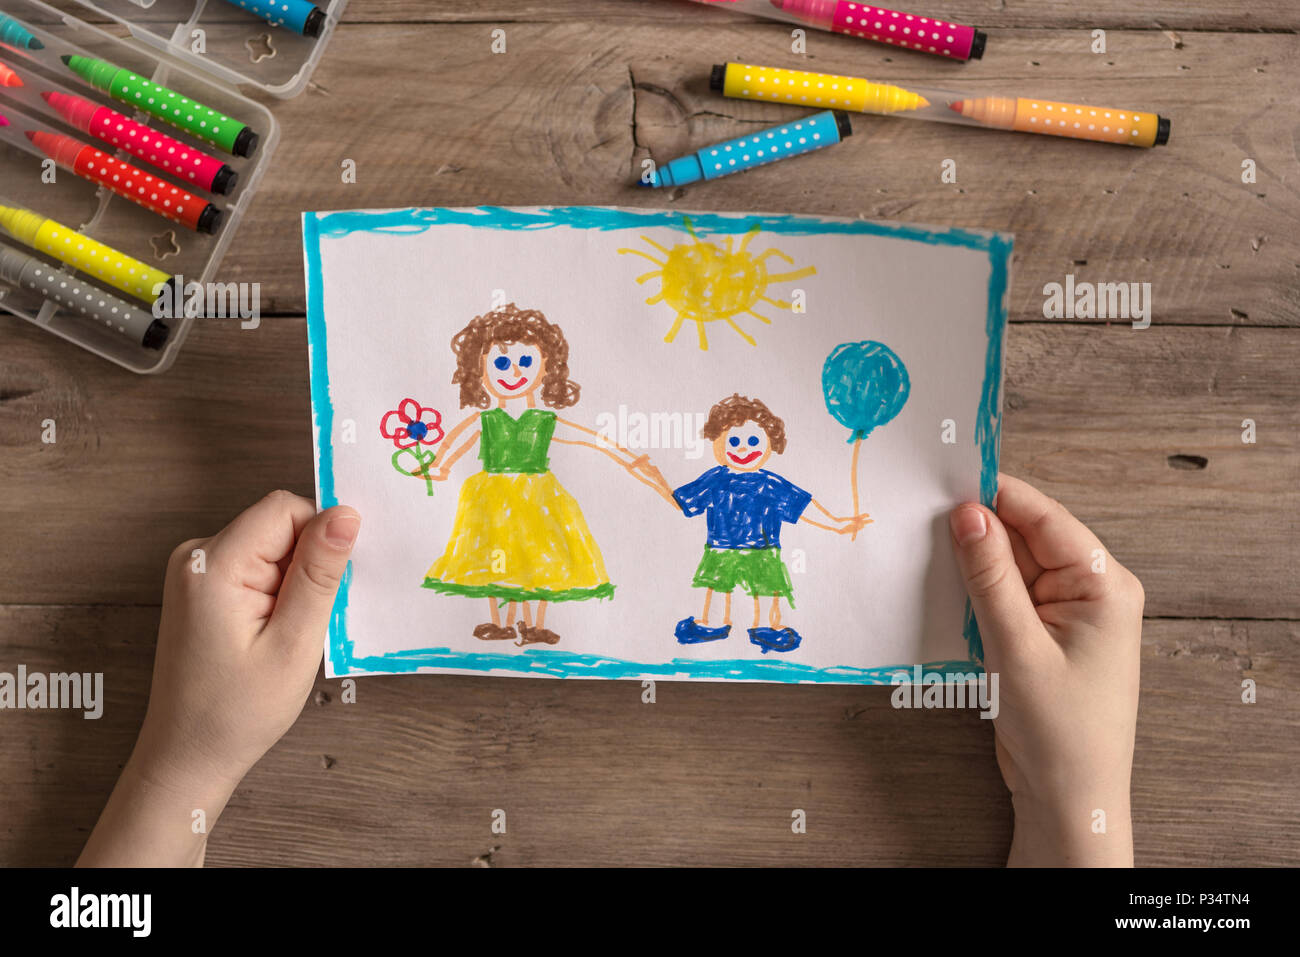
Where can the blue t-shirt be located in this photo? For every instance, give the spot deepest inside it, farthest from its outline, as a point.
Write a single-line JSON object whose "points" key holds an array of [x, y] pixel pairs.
{"points": [[743, 509]]}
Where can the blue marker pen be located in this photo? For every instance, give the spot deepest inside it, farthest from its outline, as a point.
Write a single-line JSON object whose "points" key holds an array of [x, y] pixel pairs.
{"points": [[755, 149], [300, 16]]}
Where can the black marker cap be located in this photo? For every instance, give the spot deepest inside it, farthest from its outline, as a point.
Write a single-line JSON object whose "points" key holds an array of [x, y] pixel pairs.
{"points": [[717, 76], [156, 334], [209, 219], [225, 180], [245, 142], [315, 23], [1162, 131], [175, 288], [842, 123], [977, 45]]}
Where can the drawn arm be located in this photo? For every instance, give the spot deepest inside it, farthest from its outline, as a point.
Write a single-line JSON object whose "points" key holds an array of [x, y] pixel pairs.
{"points": [[847, 525], [638, 466], [448, 459]]}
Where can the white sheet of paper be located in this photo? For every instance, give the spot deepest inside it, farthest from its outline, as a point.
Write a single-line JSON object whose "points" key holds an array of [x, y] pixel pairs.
{"points": [[388, 291]]}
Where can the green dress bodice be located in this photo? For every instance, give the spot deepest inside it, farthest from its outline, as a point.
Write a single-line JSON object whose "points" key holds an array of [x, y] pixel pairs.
{"points": [[515, 445]]}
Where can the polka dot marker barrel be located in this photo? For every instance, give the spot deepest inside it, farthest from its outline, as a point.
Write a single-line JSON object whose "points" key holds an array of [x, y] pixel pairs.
{"points": [[128, 181], [296, 15], [167, 105], [755, 149], [81, 252], [749, 81], [1101, 123], [909, 31], [185, 162], [81, 298]]}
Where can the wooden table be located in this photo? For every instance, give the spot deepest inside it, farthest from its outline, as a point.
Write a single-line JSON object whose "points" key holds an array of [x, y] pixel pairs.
{"points": [[1138, 431]]}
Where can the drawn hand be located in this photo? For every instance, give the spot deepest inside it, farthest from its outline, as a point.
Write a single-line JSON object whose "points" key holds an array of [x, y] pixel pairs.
{"points": [[853, 524], [1061, 622], [416, 463], [244, 615]]}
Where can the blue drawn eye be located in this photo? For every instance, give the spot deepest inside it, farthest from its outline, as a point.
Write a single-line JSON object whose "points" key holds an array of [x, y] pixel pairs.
{"points": [[525, 361], [502, 362], [753, 440], [733, 441]]}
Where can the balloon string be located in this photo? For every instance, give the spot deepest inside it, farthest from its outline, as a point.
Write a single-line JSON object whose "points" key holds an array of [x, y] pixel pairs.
{"points": [[857, 447]]}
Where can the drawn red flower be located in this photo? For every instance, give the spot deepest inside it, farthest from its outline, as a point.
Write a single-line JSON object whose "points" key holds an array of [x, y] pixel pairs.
{"points": [[411, 424]]}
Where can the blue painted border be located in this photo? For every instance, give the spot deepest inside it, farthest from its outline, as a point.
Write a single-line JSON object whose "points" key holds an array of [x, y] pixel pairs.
{"points": [[553, 663]]}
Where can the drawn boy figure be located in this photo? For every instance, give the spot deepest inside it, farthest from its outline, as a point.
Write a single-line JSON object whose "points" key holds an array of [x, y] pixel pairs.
{"points": [[745, 506]]}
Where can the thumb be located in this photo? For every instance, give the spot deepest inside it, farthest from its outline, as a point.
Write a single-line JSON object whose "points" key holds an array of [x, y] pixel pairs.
{"points": [[998, 595], [306, 598]]}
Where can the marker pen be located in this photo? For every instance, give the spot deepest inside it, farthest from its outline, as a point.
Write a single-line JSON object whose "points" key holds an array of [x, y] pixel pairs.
{"points": [[755, 149], [145, 143], [76, 295]]}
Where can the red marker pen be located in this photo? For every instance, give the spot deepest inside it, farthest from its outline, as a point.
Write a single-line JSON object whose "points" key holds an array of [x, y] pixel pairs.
{"points": [[130, 182], [180, 159]]}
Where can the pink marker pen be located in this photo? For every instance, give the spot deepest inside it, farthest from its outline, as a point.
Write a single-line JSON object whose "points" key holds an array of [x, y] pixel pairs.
{"points": [[144, 142], [909, 31]]}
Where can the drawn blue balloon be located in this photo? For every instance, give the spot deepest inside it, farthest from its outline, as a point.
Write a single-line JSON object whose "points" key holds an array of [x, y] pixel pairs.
{"points": [[865, 385]]}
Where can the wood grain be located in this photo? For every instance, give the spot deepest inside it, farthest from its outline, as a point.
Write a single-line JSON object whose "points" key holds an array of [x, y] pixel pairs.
{"points": [[709, 774], [567, 115]]}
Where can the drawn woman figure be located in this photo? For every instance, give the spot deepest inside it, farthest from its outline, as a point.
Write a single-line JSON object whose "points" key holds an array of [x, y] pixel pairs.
{"points": [[518, 536]]}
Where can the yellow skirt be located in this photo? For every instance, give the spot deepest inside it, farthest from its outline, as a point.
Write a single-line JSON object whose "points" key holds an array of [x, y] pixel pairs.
{"points": [[519, 538]]}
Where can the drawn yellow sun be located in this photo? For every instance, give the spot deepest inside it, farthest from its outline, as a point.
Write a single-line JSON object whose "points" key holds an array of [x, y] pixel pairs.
{"points": [[704, 282]]}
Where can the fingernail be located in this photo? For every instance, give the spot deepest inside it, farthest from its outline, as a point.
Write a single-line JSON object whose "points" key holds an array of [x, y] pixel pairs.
{"points": [[968, 525], [341, 530]]}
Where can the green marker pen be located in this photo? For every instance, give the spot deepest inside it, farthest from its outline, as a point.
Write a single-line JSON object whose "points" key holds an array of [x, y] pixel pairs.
{"points": [[168, 105]]}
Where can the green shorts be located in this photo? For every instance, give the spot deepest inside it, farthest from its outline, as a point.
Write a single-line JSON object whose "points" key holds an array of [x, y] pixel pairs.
{"points": [[759, 571]]}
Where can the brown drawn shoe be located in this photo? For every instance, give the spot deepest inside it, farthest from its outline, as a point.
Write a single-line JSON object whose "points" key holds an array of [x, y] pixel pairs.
{"points": [[490, 632], [528, 635]]}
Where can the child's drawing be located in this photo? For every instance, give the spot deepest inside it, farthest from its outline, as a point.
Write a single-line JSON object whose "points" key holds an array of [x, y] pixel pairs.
{"points": [[704, 282], [518, 537], [865, 385], [507, 499], [744, 506]]}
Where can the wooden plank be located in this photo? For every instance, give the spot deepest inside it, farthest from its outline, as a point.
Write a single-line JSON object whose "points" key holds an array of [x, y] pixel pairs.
{"points": [[536, 127], [1057, 14], [1093, 416], [589, 775]]}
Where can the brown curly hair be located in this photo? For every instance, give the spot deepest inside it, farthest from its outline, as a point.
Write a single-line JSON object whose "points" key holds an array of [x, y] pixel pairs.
{"points": [[511, 324], [740, 409]]}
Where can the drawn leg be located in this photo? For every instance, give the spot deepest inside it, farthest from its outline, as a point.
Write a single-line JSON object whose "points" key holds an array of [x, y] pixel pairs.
{"points": [[541, 613], [510, 614], [708, 598], [726, 610], [774, 616], [757, 615]]}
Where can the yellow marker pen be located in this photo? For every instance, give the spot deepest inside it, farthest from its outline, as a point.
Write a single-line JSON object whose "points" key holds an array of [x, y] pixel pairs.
{"points": [[751, 82], [81, 252], [1102, 124]]}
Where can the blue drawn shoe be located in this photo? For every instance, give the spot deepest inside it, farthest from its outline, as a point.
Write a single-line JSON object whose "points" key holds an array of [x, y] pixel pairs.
{"points": [[775, 639], [691, 632]]}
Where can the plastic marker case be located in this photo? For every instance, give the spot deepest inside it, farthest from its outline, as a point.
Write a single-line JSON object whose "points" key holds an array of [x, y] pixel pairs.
{"points": [[238, 49]]}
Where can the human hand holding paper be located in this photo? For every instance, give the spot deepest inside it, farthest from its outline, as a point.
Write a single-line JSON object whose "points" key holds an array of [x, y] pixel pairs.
{"points": [[1061, 622], [239, 645]]}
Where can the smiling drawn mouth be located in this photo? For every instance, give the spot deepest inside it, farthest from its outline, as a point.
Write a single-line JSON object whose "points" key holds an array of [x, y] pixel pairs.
{"points": [[744, 459], [506, 385]]}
